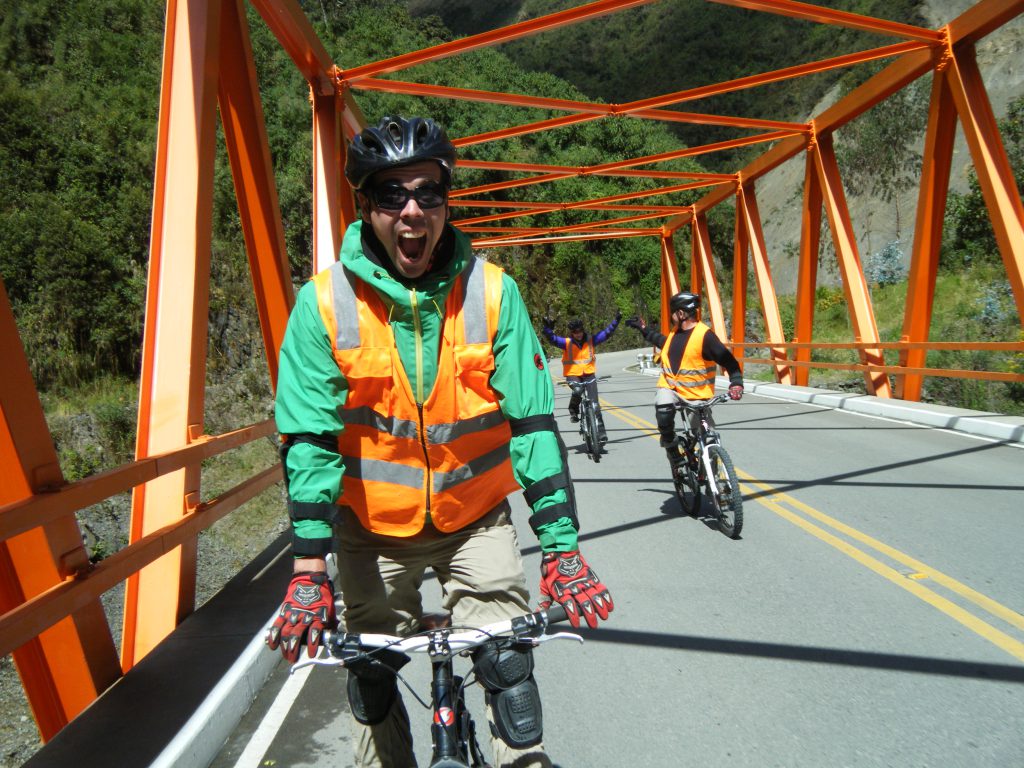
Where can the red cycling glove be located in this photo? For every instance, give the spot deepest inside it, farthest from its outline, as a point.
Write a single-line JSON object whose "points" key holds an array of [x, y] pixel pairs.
{"points": [[735, 392], [566, 578], [307, 610]]}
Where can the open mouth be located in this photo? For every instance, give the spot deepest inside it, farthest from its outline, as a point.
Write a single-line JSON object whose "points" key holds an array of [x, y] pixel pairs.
{"points": [[412, 245]]}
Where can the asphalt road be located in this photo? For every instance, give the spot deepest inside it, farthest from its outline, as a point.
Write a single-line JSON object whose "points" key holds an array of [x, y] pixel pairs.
{"points": [[869, 615]]}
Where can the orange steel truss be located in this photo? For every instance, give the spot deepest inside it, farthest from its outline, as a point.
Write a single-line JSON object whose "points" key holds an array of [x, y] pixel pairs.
{"points": [[53, 622]]}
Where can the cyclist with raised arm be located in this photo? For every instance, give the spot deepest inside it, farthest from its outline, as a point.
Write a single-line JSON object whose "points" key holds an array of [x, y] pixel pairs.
{"points": [[579, 363], [689, 354], [412, 399]]}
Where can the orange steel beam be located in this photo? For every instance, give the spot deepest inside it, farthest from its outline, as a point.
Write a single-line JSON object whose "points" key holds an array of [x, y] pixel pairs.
{"points": [[289, 24], [706, 91], [982, 18], [862, 315], [816, 13], [493, 37], [605, 168], [537, 205], [995, 177], [702, 247], [174, 339], [333, 206], [669, 279], [582, 107], [740, 275], [489, 242], [66, 667], [807, 268], [931, 208], [587, 204], [787, 73], [252, 170], [578, 170], [895, 76], [747, 208]]}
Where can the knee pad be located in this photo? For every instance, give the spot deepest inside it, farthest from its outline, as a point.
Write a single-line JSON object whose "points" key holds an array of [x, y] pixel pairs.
{"points": [[518, 719], [665, 415], [512, 694], [373, 686]]}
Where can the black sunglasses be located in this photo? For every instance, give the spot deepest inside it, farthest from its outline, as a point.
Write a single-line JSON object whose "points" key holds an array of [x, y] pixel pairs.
{"points": [[394, 197]]}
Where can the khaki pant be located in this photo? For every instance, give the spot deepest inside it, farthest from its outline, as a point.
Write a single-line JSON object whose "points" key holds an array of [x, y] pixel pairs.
{"points": [[481, 575]]}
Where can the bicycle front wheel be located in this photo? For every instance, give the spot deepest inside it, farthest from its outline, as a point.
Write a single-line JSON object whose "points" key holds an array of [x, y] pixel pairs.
{"points": [[593, 440], [728, 501]]}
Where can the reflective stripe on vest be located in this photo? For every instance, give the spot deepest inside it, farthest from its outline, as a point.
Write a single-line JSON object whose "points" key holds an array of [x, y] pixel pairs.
{"points": [[451, 456], [695, 379], [578, 361]]}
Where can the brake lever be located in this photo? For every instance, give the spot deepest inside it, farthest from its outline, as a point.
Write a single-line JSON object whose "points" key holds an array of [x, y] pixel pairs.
{"points": [[557, 636], [326, 660]]}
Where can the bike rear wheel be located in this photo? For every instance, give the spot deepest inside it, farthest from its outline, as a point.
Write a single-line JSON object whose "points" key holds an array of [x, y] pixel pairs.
{"points": [[728, 502], [592, 436]]}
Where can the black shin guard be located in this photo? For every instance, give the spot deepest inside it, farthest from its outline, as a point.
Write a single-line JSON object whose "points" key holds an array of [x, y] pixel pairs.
{"points": [[373, 686], [512, 694]]}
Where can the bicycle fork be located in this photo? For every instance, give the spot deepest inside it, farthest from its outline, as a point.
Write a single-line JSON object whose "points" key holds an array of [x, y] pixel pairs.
{"points": [[445, 691]]}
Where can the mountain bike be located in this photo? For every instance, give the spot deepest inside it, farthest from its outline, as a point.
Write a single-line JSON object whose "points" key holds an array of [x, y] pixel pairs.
{"points": [[589, 425], [706, 466], [453, 731]]}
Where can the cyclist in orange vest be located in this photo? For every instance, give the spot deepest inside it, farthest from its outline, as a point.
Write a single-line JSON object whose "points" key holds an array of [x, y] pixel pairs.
{"points": [[412, 398], [688, 356], [579, 362]]}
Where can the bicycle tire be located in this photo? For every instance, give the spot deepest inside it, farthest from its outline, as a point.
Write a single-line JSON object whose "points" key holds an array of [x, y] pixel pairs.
{"points": [[593, 439], [729, 501], [687, 489]]}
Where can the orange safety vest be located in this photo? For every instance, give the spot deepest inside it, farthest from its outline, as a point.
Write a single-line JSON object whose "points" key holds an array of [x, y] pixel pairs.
{"points": [[449, 457], [578, 361], [695, 379]]}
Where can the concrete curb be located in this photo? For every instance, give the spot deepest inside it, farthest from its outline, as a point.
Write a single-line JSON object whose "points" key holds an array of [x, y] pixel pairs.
{"points": [[201, 739], [991, 425], [979, 423]]}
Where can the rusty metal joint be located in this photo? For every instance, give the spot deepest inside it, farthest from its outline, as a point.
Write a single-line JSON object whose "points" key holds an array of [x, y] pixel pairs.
{"points": [[946, 47]]}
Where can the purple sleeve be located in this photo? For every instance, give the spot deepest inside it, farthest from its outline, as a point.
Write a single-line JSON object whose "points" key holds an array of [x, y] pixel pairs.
{"points": [[602, 335], [553, 338]]}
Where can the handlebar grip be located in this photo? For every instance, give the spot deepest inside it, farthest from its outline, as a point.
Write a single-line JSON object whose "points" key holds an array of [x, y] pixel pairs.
{"points": [[556, 613]]}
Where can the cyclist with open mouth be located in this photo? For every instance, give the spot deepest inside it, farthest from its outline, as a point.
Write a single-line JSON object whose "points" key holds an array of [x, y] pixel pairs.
{"points": [[412, 399]]}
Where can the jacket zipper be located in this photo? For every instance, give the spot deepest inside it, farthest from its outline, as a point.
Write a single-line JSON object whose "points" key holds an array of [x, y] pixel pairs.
{"points": [[418, 335]]}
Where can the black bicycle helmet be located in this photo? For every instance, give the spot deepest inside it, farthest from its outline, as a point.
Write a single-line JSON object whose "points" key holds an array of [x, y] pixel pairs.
{"points": [[575, 324], [397, 141], [686, 301]]}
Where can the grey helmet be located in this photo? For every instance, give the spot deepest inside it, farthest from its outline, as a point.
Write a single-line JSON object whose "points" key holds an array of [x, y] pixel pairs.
{"points": [[397, 141], [686, 301]]}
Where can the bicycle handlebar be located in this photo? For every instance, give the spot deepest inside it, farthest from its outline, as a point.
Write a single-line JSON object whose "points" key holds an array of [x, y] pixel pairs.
{"points": [[529, 628], [702, 406]]}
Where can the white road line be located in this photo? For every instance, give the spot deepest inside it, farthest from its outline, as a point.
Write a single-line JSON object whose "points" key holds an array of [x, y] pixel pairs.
{"points": [[272, 721]]}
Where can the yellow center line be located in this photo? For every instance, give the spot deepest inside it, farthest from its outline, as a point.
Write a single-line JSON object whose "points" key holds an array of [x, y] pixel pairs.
{"points": [[985, 603], [771, 502]]}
